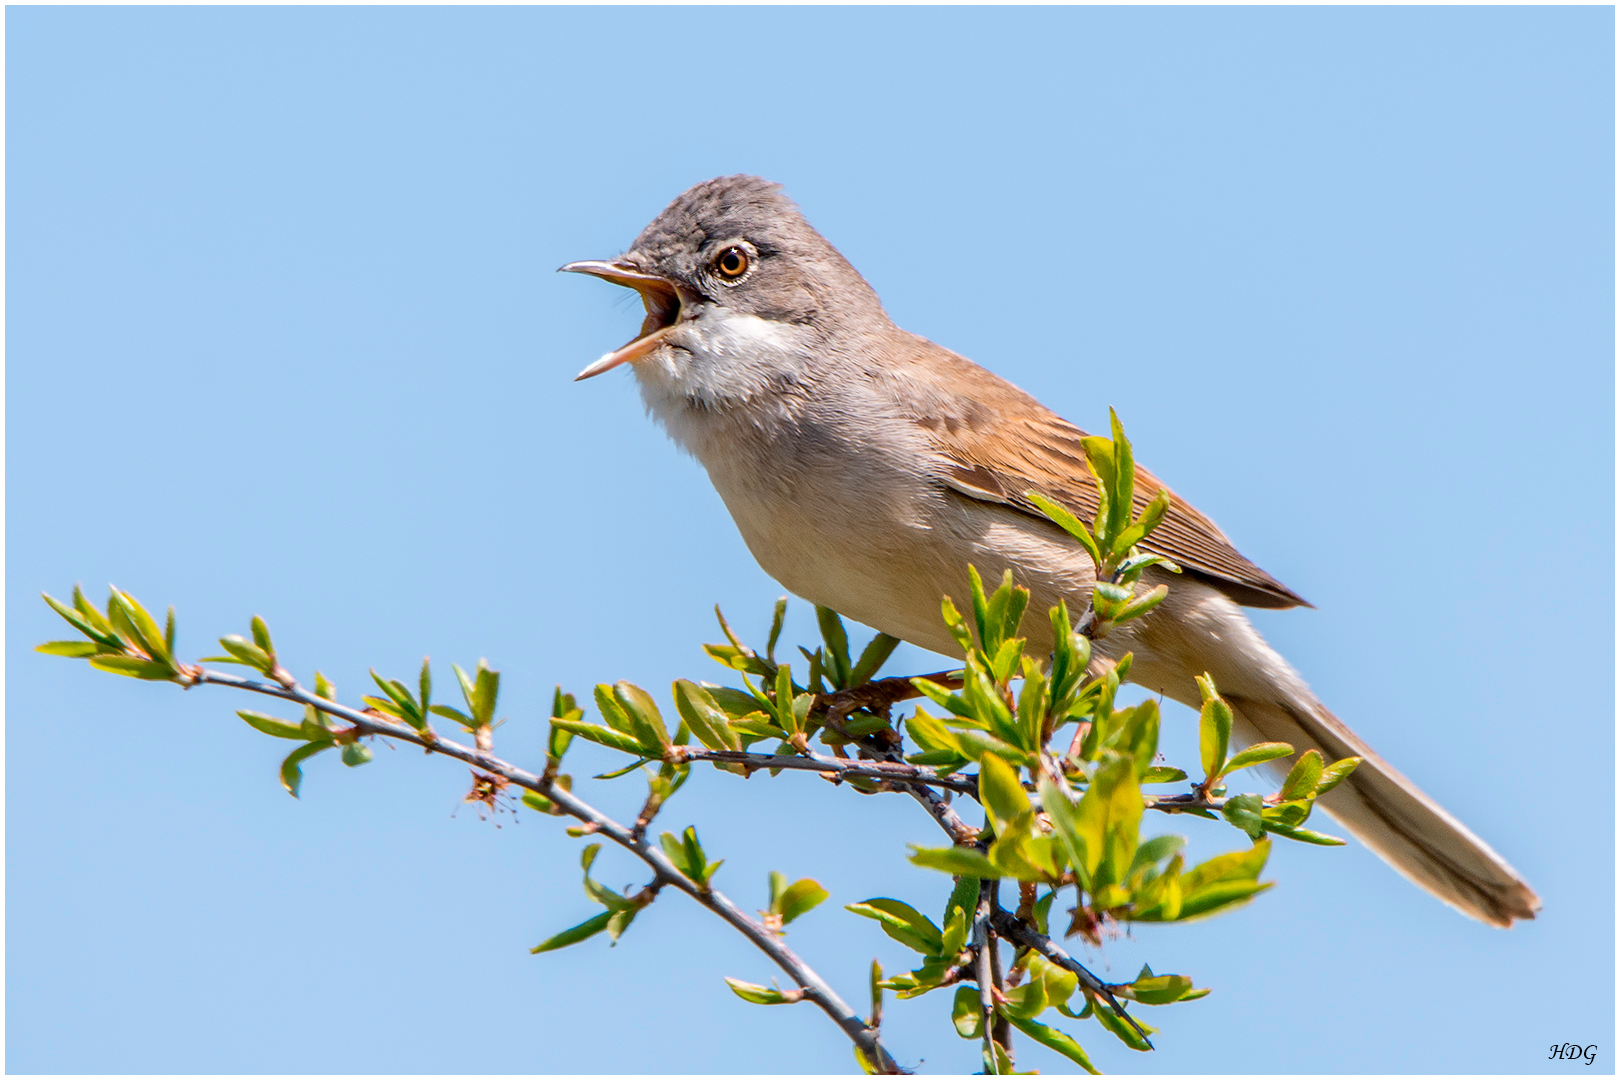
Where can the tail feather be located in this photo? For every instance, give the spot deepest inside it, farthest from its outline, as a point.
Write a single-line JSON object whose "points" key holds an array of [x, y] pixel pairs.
{"points": [[1392, 816]]}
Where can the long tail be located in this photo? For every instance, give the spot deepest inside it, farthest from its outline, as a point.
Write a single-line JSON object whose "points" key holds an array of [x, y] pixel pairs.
{"points": [[1390, 814]]}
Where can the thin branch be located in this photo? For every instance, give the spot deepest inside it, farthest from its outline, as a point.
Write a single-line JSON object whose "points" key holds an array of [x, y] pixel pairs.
{"points": [[1001, 1030], [984, 975], [1182, 804], [815, 988], [898, 772], [1018, 932], [881, 695]]}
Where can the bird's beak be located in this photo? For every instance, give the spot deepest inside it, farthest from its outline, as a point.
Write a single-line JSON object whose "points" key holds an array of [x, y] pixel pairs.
{"points": [[658, 294]]}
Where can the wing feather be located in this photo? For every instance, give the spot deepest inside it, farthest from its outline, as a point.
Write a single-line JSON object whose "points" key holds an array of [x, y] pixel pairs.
{"points": [[995, 443]]}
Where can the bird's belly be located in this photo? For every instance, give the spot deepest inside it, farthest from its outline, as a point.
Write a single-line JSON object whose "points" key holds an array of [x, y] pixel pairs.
{"points": [[889, 565]]}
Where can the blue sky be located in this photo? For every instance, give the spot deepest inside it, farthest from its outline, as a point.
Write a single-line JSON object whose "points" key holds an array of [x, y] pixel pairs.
{"points": [[283, 337]]}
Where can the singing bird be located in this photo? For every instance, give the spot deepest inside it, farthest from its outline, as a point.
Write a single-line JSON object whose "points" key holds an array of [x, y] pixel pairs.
{"points": [[866, 467]]}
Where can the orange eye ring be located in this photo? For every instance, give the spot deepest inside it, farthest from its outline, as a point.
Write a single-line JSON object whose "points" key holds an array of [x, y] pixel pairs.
{"points": [[731, 263]]}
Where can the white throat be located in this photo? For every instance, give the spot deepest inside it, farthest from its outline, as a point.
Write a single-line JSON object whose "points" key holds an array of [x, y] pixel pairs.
{"points": [[719, 361]]}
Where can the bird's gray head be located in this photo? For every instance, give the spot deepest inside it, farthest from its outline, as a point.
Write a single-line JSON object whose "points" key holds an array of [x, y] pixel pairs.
{"points": [[732, 265]]}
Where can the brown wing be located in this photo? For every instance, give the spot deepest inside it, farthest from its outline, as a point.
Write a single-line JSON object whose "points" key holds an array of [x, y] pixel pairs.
{"points": [[994, 442]]}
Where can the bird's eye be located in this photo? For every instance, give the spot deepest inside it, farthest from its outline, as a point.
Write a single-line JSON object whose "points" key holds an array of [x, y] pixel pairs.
{"points": [[732, 263]]}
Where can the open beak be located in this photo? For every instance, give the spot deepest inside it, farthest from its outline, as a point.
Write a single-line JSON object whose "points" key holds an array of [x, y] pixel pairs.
{"points": [[658, 294]]}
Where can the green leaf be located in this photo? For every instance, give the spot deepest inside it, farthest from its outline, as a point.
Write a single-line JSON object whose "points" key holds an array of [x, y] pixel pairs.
{"points": [[675, 851], [1231, 866], [1289, 814], [902, 922], [1160, 847], [89, 612], [270, 725], [814, 680], [606, 737], [782, 707], [873, 657], [1303, 777], [1013, 611], [134, 667], [146, 632], [356, 753], [1022, 855], [563, 707], [620, 921], [1244, 812], [875, 983], [244, 652], [954, 939], [626, 771], [1109, 819], [944, 698], [956, 625], [536, 801], [405, 706], [1121, 1028], [1153, 989], [989, 637], [1305, 835], [486, 689], [688, 856], [777, 618], [1124, 477], [837, 656], [261, 636], [1053, 1039], [1258, 754], [760, 995], [1068, 522], [954, 861], [967, 1012], [450, 712], [642, 712], [575, 934], [930, 734], [468, 689], [1140, 605], [1000, 792], [778, 887], [1042, 910], [1000, 603], [291, 775], [704, 716], [1161, 774], [1060, 982], [85, 619], [758, 726], [610, 710], [1025, 1002], [1065, 818], [74, 649], [1214, 729], [1138, 735], [1220, 896], [1153, 513], [737, 703], [1100, 457], [799, 898], [964, 897], [1334, 774]]}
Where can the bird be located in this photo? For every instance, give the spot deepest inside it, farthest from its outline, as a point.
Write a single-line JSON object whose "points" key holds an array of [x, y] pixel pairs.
{"points": [[867, 467]]}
